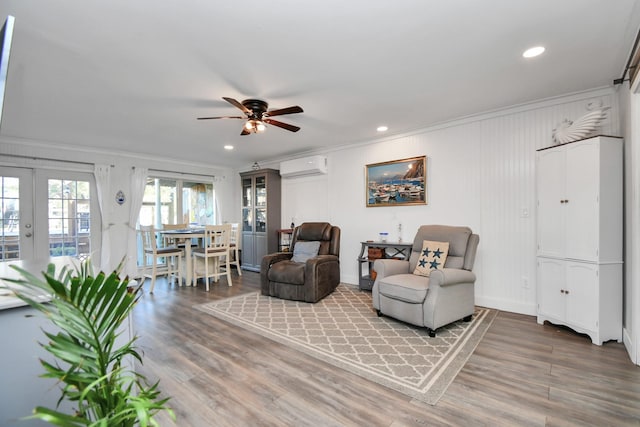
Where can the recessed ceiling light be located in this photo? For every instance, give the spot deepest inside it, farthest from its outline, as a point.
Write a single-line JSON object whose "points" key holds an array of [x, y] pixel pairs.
{"points": [[228, 147], [534, 51], [382, 128]]}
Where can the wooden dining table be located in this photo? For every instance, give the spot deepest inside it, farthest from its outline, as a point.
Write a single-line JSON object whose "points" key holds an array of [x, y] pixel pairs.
{"points": [[184, 236]]}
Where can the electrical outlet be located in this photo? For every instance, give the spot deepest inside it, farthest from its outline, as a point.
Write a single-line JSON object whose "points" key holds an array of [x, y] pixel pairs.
{"points": [[524, 213], [525, 282]]}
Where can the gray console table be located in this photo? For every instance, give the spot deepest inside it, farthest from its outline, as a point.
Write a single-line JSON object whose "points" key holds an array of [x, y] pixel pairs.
{"points": [[391, 250]]}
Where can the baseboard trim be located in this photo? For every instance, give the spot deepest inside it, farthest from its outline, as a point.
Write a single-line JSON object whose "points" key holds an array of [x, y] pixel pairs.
{"points": [[629, 345], [507, 305]]}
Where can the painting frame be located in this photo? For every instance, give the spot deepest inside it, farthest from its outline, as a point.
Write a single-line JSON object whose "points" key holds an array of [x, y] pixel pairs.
{"points": [[396, 183]]}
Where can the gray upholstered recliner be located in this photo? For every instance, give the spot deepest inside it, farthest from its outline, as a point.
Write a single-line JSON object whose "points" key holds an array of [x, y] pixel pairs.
{"points": [[310, 280], [445, 296]]}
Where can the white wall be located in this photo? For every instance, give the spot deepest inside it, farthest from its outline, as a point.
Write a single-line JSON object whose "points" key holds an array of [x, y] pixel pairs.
{"points": [[304, 199], [480, 173]]}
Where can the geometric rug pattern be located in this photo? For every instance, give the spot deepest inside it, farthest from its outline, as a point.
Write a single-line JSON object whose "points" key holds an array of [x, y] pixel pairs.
{"points": [[344, 330]]}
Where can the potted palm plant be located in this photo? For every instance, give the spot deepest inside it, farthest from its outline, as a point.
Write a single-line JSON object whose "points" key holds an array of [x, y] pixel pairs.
{"points": [[94, 372]]}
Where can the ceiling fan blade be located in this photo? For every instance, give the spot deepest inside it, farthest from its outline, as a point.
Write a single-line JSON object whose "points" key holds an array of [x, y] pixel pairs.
{"points": [[237, 105], [245, 132], [223, 117], [288, 110], [286, 126]]}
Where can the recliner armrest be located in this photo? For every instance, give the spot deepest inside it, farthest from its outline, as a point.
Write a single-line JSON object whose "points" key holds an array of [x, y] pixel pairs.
{"points": [[389, 267], [320, 259], [451, 276], [269, 259]]}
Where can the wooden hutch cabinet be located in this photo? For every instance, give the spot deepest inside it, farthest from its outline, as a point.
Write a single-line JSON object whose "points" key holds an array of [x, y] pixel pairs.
{"points": [[261, 197]]}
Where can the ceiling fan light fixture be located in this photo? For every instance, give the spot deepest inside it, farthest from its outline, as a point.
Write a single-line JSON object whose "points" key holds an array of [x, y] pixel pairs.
{"points": [[255, 126], [258, 116]]}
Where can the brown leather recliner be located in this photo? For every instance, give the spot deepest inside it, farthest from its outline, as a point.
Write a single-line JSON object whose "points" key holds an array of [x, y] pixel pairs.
{"points": [[308, 281]]}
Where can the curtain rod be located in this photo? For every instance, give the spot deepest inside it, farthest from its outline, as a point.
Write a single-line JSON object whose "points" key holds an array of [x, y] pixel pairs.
{"points": [[178, 173], [24, 156], [78, 162], [629, 66]]}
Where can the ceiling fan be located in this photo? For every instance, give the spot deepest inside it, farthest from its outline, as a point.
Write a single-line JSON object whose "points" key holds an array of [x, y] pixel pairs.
{"points": [[257, 114]]}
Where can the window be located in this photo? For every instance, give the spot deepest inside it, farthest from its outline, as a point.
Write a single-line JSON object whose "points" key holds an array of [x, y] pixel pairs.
{"points": [[174, 201], [197, 203], [170, 201], [69, 217], [159, 204]]}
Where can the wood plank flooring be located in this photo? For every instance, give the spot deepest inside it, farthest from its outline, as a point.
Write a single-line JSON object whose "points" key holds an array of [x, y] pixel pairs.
{"points": [[521, 374]]}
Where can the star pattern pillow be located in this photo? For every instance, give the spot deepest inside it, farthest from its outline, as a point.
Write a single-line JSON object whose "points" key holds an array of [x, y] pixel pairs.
{"points": [[432, 257]]}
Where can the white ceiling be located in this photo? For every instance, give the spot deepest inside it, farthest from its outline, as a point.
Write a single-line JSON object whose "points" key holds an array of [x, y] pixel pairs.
{"points": [[133, 75]]}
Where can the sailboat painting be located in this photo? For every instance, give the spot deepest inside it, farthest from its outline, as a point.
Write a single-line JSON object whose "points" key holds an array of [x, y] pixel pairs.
{"points": [[397, 183]]}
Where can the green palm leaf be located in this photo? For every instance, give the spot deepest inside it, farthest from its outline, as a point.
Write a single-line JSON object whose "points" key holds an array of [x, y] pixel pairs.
{"points": [[89, 312]]}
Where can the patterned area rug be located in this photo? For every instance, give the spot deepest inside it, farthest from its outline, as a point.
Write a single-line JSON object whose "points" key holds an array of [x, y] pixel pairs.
{"points": [[344, 330]]}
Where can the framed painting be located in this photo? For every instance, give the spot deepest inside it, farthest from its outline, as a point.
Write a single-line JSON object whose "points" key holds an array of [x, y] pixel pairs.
{"points": [[397, 183]]}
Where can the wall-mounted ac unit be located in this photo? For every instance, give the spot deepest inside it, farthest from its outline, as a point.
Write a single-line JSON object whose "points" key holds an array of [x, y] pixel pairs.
{"points": [[314, 165]]}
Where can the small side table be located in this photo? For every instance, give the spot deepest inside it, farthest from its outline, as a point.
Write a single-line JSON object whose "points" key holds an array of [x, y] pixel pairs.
{"points": [[391, 250], [284, 239]]}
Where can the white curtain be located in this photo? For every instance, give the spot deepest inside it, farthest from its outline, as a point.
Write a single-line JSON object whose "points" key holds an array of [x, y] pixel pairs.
{"points": [[138, 183], [102, 174], [216, 204]]}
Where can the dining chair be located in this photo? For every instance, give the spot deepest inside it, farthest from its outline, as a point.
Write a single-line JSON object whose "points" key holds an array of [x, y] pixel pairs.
{"points": [[172, 256], [234, 245], [216, 247], [170, 241]]}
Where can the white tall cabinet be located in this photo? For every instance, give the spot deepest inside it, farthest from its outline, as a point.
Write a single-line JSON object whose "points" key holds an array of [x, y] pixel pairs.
{"points": [[579, 236]]}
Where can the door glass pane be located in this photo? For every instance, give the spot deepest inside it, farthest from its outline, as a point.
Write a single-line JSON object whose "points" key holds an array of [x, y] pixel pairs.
{"points": [[69, 217], [197, 203], [10, 205]]}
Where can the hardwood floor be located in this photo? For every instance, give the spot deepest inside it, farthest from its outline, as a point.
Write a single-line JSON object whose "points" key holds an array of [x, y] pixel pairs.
{"points": [[521, 374]]}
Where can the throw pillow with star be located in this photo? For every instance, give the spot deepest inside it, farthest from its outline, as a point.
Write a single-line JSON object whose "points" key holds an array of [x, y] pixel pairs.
{"points": [[432, 257]]}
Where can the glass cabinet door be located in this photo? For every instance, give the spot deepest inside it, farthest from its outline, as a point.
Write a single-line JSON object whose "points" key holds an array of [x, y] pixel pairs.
{"points": [[246, 192], [247, 209], [261, 204], [261, 191], [261, 220], [247, 219]]}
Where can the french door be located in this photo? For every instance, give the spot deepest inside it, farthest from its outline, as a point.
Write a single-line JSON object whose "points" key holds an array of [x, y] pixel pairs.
{"points": [[48, 213], [16, 202]]}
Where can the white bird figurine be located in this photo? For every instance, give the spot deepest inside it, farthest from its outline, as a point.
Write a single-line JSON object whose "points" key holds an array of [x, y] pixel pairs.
{"points": [[569, 131]]}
